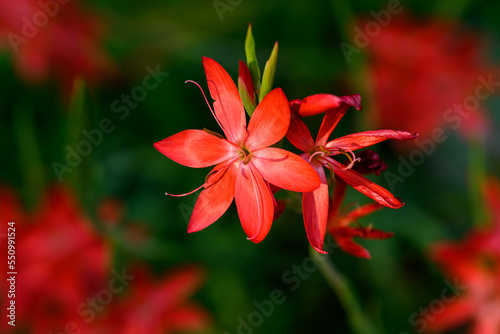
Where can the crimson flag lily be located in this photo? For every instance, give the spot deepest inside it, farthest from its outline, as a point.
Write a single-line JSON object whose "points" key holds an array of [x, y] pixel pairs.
{"points": [[245, 165], [320, 154]]}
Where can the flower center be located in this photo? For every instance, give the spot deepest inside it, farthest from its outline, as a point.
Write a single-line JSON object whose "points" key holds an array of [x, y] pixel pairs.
{"points": [[245, 153]]}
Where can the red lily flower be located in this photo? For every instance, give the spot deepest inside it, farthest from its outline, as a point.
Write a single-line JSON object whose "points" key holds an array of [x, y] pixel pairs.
{"points": [[245, 165], [319, 153], [475, 263], [339, 224]]}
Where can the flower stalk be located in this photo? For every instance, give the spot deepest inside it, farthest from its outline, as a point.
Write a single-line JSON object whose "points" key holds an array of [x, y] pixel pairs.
{"points": [[358, 321]]}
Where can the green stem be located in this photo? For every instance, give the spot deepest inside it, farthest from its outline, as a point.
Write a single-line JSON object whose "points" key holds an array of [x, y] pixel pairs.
{"points": [[75, 125], [358, 321]]}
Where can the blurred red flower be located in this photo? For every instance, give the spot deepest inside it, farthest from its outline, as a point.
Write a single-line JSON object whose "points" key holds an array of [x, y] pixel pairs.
{"points": [[475, 263], [61, 262], [158, 306], [53, 38], [429, 75]]}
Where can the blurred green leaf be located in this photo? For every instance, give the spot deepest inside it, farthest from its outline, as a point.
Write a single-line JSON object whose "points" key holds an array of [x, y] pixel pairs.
{"points": [[269, 72], [252, 62]]}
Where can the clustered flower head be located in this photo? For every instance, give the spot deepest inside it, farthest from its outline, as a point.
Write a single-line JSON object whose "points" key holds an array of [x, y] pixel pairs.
{"points": [[250, 167]]}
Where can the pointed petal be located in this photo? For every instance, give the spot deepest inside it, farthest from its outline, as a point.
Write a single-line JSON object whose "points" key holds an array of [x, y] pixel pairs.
{"points": [[298, 134], [359, 140], [330, 121], [343, 236], [285, 169], [213, 201], [372, 233], [196, 148], [227, 105], [362, 211], [334, 107], [254, 203], [320, 103], [269, 122], [365, 186], [315, 210]]}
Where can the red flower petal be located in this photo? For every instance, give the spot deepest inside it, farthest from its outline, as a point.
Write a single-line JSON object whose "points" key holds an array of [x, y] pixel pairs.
{"points": [[213, 201], [254, 203], [269, 122], [189, 318], [330, 121], [359, 140], [285, 169], [315, 209], [365, 186], [362, 211], [343, 236], [227, 105], [320, 103], [298, 134], [317, 104], [196, 148], [453, 315], [245, 78]]}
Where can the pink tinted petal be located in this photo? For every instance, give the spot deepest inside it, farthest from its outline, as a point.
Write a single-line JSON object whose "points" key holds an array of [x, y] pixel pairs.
{"points": [[365, 186], [227, 105], [285, 169], [269, 122], [359, 140], [254, 203], [298, 134], [196, 148], [213, 201], [315, 210]]}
